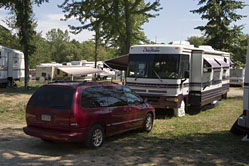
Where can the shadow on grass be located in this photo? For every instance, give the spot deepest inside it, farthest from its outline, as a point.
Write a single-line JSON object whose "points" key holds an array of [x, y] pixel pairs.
{"points": [[236, 98], [134, 148], [164, 113], [18, 90]]}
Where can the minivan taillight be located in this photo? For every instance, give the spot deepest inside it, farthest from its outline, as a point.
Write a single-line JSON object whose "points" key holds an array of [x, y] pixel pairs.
{"points": [[244, 112], [73, 122]]}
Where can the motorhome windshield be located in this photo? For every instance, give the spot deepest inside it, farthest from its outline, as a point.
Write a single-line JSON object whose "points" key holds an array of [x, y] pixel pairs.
{"points": [[161, 66]]}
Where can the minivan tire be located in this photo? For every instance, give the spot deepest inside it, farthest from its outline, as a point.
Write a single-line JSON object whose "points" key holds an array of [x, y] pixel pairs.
{"points": [[95, 137], [148, 123]]}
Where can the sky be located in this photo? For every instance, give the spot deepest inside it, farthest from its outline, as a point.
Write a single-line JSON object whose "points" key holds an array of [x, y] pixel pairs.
{"points": [[175, 21]]}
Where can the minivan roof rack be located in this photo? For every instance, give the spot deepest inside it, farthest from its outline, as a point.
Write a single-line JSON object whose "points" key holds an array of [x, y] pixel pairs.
{"points": [[82, 82]]}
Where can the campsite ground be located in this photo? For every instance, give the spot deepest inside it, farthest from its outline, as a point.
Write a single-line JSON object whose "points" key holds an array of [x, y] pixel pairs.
{"points": [[202, 139]]}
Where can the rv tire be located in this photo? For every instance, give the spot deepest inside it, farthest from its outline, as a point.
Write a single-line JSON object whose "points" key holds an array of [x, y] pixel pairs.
{"points": [[224, 96]]}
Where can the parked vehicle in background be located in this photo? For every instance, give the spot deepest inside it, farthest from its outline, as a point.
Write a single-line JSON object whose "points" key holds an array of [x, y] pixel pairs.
{"points": [[241, 125], [85, 111], [237, 76], [46, 71], [178, 76], [11, 66]]}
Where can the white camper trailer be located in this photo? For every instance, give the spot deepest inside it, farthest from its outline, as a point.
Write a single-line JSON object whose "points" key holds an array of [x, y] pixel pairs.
{"points": [[243, 120], [237, 76], [178, 76], [45, 71], [11, 66]]}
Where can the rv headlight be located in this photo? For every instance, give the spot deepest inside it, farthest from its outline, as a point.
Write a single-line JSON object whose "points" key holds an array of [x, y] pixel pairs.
{"points": [[174, 99]]}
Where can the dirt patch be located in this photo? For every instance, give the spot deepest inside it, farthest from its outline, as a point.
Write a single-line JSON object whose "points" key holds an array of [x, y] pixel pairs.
{"points": [[233, 92]]}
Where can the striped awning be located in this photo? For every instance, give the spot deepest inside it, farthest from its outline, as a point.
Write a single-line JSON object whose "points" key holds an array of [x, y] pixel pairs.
{"points": [[213, 63], [72, 70], [222, 63]]}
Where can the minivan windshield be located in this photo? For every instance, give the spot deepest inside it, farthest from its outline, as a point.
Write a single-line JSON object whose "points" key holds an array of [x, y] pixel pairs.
{"points": [[52, 97]]}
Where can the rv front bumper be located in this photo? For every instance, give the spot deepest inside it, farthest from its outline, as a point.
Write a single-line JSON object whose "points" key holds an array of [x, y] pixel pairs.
{"points": [[163, 101]]}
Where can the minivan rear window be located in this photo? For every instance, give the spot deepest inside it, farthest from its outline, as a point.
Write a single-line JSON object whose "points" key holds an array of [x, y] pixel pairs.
{"points": [[52, 97]]}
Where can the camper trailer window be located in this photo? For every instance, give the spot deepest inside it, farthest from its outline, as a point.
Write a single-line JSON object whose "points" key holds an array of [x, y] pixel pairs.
{"points": [[44, 75], [216, 77], [207, 68], [224, 74]]}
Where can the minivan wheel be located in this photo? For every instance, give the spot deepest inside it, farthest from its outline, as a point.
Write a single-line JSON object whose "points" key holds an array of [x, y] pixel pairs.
{"points": [[148, 123], [96, 136]]}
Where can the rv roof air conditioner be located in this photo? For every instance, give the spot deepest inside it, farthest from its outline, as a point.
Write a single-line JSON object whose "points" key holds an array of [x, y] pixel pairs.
{"points": [[206, 47], [181, 43]]}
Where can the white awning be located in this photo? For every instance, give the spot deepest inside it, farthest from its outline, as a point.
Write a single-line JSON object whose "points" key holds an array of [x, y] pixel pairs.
{"points": [[79, 70]]}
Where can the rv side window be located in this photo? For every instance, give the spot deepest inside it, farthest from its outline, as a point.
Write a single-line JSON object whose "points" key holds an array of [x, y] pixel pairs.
{"points": [[207, 68], [43, 74], [184, 66]]}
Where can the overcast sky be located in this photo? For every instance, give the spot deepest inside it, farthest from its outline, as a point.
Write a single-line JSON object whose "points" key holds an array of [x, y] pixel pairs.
{"points": [[175, 21]]}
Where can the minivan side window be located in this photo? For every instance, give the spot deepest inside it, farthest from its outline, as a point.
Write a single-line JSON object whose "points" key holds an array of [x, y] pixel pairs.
{"points": [[94, 97], [132, 98], [116, 97]]}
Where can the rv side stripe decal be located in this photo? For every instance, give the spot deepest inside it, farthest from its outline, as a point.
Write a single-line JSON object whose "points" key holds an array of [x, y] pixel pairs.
{"points": [[205, 83], [159, 85]]}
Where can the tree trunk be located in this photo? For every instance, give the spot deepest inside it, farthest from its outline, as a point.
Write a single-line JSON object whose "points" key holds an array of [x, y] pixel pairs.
{"points": [[128, 27], [96, 49], [26, 58]]}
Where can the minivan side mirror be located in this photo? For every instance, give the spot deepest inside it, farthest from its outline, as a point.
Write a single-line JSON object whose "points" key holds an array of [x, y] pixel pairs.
{"points": [[145, 100]]}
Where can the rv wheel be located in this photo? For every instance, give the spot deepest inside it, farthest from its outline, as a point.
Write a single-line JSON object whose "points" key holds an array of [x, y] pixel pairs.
{"points": [[224, 96]]}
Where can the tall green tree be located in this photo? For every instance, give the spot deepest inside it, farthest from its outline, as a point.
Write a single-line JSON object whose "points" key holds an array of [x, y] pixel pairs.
{"points": [[197, 40], [22, 9], [220, 15], [58, 44], [238, 50], [42, 53], [118, 22], [8, 39]]}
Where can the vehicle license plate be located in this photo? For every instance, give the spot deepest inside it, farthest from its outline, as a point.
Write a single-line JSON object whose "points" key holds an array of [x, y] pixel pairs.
{"points": [[45, 117]]}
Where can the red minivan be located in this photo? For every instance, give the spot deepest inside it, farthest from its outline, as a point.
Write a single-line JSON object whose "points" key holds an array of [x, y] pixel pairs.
{"points": [[85, 111]]}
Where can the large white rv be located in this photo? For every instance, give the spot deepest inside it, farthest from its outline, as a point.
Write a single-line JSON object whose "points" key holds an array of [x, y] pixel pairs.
{"points": [[243, 120], [178, 76], [11, 66]]}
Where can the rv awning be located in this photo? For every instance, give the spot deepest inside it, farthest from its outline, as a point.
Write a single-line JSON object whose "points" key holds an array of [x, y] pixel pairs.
{"points": [[222, 63], [119, 63], [213, 63], [79, 70]]}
